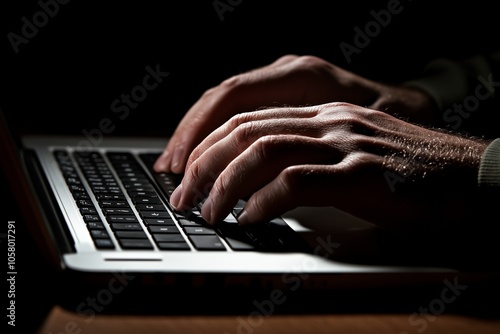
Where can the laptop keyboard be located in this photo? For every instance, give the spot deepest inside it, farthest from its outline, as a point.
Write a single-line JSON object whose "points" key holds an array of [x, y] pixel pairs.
{"points": [[127, 207]]}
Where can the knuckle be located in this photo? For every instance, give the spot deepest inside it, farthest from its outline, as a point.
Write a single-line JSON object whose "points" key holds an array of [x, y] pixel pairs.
{"points": [[341, 106], [193, 173], [287, 58], [211, 91], [292, 179], [310, 61], [345, 116], [237, 120], [220, 187], [266, 146], [232, 82], [245, 132], [257, 204]]}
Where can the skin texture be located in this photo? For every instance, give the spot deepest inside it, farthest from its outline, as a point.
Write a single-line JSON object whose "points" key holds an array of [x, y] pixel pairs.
{"points": [[289, 81], [279, 137], [365, 162]]}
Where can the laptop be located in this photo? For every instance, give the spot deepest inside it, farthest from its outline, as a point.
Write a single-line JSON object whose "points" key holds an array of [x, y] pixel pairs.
{"points": [[97, 211]]}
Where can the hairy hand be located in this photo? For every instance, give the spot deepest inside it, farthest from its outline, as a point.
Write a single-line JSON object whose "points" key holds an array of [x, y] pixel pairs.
{"points": [[362, 161], [289, 81]]}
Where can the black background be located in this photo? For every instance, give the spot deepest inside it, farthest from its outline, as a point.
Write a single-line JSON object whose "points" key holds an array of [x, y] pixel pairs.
{"points": [[65, 78]]}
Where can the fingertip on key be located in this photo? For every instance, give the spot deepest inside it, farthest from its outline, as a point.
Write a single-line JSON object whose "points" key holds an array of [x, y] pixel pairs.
{"points": [[175, 197], [161, 164]]}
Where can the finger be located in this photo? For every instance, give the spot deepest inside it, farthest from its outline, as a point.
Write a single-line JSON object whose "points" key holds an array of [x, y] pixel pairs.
{"points": [[258, 165], [203, 171], [198, 122], [262, 87], [349, 186], [247, 124]]}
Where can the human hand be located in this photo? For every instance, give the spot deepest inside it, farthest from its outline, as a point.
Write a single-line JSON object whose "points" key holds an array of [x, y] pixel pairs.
{"points": [[289, 81], [362, 161]]}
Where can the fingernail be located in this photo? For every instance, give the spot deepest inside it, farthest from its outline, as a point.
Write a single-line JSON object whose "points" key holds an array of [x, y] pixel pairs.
{"points": [[243, 218], [160, 164], [176, 196], [177, 160], [206, 210]]}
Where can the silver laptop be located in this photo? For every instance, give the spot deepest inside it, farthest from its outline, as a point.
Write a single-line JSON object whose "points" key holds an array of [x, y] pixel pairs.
{"points": [[101, 209]]}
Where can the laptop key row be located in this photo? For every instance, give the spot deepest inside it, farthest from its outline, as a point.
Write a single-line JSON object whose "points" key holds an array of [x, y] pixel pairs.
{"points": [[272, 236], [119, 214], [154, 213], [95, 225], [142, 202]]}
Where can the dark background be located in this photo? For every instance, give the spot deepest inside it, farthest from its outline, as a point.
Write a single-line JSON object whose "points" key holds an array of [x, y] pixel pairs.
{"points": [[65, 78]]}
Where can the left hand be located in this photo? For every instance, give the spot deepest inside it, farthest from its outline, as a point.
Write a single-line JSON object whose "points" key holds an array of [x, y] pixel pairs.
{"points": [[292, 81], [362, 161]]}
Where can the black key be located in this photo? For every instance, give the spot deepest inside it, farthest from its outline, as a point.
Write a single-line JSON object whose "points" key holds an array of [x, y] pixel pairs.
{"points": [[154, 214], [207, 242], [122, 219], [185, 223], [150, 207], [236, 237], [113, 204], [159, 221], [151, 194], [163, 229], [126, 227], [240, 244], [118, 211], [150, 188], [167, 182], [238, 207], [104, 243], [109, 197], [135, 244], [100, 234], [88, 210], [80, 196], [133, 185], [91, 218], [74, 188], [163, 237], [95, 225], [131, 234], [84, 202], [199, 230], [134, 180], [173, 246], [277, 235], [146, 200]]}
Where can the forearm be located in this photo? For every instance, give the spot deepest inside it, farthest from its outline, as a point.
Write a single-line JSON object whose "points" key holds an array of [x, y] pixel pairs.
{"points": [[466, 93]]}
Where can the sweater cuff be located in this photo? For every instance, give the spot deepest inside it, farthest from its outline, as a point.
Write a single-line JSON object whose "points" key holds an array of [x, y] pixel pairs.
{"points": [[489, 168], [449, 81]]}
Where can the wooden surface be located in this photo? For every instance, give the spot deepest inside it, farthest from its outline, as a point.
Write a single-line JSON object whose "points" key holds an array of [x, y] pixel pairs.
{"points": [[62, 321]]}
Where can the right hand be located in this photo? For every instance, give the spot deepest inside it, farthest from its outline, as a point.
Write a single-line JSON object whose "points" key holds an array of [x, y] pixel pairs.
{"points": [[289, 81], [365, 162]]}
